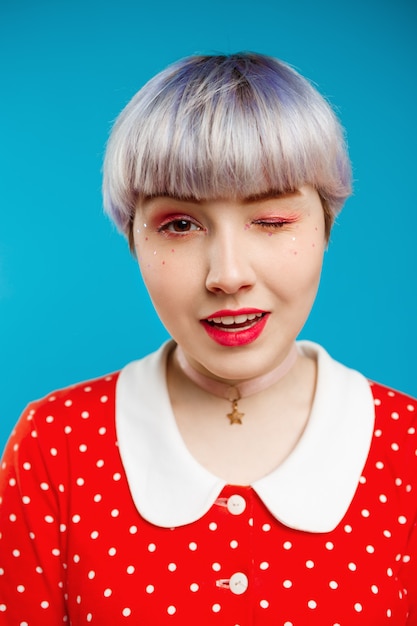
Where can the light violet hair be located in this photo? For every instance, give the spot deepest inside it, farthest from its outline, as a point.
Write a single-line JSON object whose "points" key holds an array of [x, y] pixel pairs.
{"points": [[224, 126]]}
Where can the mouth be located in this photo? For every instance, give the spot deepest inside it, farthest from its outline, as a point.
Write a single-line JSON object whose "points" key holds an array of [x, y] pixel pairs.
{"points": [[235, 328], [231, 323]]}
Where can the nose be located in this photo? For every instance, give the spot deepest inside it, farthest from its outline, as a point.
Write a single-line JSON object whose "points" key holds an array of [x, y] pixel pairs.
{"points": [[229, 265]]}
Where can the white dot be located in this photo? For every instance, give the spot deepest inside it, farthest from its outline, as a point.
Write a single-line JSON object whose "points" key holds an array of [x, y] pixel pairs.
{"points": [[378, 432], [12, 482], [80, 482], [56, 551], [100, 463], [133, 530], [365, 513], [370, 549], [44, 604], [395, 415], [287, 545], [94, 534], [126, 612], [379, 465], [374, 589], [348, 528], [97, 497], [234, 544], [16, 553], [13, 517], [172, 567], [358, 607], [310, 564], [68, 403], [352, 567], [150, 589], [107, 593], [115, 513], [216, 567], [76, 558], [20, 588], [377, 402], [264, 604], [312, 604], [76, 518], [194, 587], [383, 498], [192, 546], [287, 584], [85, 415], [67, 430], [102, 430], [27, 466], [117, 476], [53, 451], [264, 565], [44, 486], [390, 572], [91, 574], [112, 551], [402, 519], [266, 527], [83, 448], [130, 569], [151, 547], [410, 407], [329, 545], [89, 617], [333, 584], [213, 526], [171, 610], [387, 533]]}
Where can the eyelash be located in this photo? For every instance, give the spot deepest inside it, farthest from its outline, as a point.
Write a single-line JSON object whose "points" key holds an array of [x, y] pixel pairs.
{"points": [[168, 226]]}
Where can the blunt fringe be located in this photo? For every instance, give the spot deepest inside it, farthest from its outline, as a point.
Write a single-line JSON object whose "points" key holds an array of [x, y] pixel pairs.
{"points": [[213, 126]]}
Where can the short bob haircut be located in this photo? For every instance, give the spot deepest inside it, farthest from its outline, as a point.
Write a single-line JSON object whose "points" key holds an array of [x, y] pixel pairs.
{"points": [[221, 126]]}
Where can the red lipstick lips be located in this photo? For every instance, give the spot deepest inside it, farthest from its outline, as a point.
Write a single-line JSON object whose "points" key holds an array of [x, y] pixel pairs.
{"points": [[235, 328]]}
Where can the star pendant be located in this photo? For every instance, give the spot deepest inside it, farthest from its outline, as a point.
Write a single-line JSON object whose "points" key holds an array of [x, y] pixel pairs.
{"points": [[235, 416]]}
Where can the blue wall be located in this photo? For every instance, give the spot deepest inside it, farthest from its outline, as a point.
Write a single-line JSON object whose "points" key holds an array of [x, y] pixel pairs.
{"points": [[71, 301]]}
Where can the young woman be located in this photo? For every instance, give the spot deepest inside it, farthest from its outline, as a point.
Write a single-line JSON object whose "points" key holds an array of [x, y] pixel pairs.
{"points": [[234, 477]]}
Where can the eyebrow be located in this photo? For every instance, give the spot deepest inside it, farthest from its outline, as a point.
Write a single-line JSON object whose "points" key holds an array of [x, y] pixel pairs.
{"points": [[270, 194]]}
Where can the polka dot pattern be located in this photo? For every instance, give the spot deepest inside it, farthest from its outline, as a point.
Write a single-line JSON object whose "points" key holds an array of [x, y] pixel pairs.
{"points": [[75, 549]]}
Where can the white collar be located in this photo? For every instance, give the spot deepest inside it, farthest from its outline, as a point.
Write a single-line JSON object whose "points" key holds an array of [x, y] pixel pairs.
{"points": [[311, 490]]}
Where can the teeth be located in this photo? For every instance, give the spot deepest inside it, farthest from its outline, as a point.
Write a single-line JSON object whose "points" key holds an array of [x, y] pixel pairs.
{"points": [[235, 319]]}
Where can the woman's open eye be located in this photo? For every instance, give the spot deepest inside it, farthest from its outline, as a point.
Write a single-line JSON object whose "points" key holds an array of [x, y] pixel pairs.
{"points": [[179, 225]]}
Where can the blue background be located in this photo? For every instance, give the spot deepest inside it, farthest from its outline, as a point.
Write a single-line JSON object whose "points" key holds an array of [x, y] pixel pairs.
{"points": [[72, 305]]}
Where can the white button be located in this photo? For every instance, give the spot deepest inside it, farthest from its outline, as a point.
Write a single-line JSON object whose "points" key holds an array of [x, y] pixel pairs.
{"points": [[236, 504], [238, 583]]}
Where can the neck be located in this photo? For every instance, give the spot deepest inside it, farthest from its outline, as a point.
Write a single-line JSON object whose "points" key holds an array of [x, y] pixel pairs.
{"points": [[243, 389]]}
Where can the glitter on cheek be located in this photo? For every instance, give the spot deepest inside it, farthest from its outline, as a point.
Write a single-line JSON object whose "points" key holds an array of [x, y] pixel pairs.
{"points": [[146, 238], [172, 250], [247, 226], [154, 252]]}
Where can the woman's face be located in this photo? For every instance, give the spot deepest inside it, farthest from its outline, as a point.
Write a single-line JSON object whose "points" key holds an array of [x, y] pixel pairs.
{"points": [[233, 280]]}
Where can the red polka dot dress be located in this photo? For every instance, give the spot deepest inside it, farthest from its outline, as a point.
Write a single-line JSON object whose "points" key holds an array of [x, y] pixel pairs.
{"points": [[106, 518]]}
